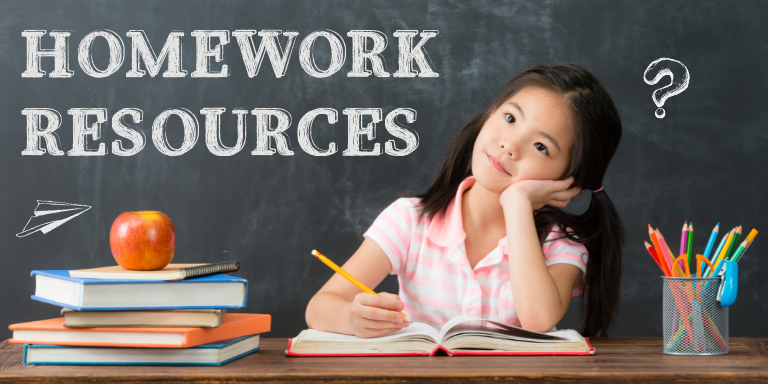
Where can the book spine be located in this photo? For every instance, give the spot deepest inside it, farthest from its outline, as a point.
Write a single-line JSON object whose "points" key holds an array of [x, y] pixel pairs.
{"points": [[24, 357], [210, 269], [217, 364], [77, 308]]}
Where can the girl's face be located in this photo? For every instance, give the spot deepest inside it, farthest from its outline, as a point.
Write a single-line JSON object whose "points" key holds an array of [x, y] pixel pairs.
{"points": [[529, 137]]}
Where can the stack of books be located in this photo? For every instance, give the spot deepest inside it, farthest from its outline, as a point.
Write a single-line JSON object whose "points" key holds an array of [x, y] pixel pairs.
{"points": [[114, 316]]}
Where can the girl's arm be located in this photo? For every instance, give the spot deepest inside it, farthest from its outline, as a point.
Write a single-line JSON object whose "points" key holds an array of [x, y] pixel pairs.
{"points": [[542, 294], [341, 307]]}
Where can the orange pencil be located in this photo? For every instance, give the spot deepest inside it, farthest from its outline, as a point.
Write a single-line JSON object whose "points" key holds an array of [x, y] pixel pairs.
{"points": [[659, 254], [752, 235], [749, 239], [347, 276], [668, 252]]}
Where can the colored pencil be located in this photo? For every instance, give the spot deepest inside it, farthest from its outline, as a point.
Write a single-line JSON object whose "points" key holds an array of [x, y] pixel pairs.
{"points": [[710, 243], [689, 250], [733, 244], [729, 246], [750, 238], [716, 271], [721, 256], [668, 254], [650, 250], [752, 235], [714, 255], [740, 250], [683, 238], [662, 257]]}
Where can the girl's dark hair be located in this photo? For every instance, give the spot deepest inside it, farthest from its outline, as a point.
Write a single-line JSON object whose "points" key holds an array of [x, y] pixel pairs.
{"points": [[598, 131]]}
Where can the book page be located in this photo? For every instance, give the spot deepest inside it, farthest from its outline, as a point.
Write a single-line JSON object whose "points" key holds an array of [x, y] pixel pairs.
{"points": [[471, 324], [415, 330]]}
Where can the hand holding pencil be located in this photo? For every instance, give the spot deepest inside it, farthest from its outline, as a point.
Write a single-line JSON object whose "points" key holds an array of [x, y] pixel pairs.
{"points": [[362, 301]]}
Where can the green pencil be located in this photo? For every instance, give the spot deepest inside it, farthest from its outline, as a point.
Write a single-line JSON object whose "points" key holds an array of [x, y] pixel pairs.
{"points": [[737, 255], [735, 241], [691, 257]]}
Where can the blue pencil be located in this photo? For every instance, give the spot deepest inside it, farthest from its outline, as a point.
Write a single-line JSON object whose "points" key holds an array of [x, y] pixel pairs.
{"points": [[717, 267], [717, 252], [710, 243]]}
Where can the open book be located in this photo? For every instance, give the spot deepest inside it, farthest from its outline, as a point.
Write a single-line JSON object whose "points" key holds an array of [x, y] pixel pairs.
{"points": [[463, 335]]}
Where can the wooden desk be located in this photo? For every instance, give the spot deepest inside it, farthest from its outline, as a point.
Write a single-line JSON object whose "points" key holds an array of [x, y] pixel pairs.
{"points": [[617, 360]]}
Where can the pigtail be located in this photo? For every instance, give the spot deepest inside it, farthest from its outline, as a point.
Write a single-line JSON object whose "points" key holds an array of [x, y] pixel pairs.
{"points": [[602, 283], [601, 231]]}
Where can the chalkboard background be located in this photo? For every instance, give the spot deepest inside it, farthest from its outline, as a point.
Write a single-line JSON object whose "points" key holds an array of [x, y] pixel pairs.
{"points": [[705, 161]]}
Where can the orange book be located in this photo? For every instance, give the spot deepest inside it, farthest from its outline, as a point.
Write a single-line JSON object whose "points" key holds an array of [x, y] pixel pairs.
{"points": [[53, 332]]}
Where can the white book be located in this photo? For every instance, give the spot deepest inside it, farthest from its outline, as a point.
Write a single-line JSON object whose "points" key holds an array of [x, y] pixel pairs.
{"points": [[203, 318], [463, 335]]}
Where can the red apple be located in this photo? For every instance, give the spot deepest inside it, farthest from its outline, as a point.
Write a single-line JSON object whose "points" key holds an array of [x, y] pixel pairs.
{"points": [[143, 241]]}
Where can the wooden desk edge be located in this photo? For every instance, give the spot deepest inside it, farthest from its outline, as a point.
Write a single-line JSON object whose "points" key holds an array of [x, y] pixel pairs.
{"points": [[617, 359]]}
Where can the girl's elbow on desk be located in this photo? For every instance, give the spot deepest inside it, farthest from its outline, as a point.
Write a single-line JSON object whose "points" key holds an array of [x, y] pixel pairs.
{"points": [[324, 311], [539, 324], [542, 319]]}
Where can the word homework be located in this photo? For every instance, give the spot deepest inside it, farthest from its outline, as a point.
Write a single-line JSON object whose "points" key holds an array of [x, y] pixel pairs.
{"points": [[205, 55]]}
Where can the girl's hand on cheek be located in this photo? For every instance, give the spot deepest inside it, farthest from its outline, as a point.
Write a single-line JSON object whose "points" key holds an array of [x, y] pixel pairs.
{"points": [[541, 192], [376, 315]]}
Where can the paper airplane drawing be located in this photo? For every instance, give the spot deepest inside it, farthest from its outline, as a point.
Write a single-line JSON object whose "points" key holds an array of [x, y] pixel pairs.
{"points": [[50, 214]]}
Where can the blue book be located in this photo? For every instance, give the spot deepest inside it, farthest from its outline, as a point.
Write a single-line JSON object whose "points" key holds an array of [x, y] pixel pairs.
{"points": [[213, 354], [216, 291]]}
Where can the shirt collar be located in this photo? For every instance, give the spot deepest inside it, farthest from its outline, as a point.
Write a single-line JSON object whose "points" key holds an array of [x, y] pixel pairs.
{"points": [[448, 230]]}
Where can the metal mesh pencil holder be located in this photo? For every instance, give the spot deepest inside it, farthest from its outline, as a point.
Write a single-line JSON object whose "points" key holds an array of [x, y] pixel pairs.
{"points": [[694, 321]]}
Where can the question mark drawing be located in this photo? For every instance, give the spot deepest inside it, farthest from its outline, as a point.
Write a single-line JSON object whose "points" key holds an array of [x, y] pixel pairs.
{"points": [[661, 68]]}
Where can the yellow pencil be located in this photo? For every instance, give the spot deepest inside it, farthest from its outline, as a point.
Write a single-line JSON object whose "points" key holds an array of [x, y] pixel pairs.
{"points": [[347, 276], [724, 251]]}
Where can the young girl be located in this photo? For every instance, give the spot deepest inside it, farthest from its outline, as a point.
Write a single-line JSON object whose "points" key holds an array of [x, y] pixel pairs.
{"points": [[487, 238]]}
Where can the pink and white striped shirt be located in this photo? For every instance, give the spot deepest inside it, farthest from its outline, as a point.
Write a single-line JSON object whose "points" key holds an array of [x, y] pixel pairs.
{"points": [[430, 260]]}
